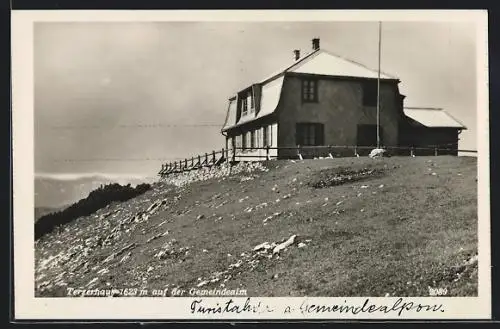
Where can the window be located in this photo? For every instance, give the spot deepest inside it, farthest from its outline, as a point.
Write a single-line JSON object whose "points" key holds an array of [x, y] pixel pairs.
{"points": [[252, 104], [309, 90], [238, 141], [370, 93], [258, 143], [246, 140], [247, 103], [244, 106], [267, 138], [243, 142], [309, 134]]}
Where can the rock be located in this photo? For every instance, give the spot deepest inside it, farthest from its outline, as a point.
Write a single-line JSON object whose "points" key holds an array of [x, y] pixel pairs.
{"points": [[94, 280], [103, 271], [265, 245], [301, 245], [284, 245], [200, 217], [377, 153], [202, 283], [126, 257]]}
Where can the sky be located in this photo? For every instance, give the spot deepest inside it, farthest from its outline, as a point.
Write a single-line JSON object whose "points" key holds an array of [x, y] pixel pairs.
{"points": [[124, 97]]}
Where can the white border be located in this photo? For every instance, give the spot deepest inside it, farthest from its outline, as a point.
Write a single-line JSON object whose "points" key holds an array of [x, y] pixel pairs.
{"points": [[29, 307]]}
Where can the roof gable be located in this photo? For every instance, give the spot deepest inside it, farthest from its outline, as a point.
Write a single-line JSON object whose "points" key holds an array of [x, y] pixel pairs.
{"points": [[320, 62], [328, 63], [325, 62]]}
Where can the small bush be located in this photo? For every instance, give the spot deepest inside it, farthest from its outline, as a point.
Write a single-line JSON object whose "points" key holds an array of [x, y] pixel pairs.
{"points": [[96, 200]]}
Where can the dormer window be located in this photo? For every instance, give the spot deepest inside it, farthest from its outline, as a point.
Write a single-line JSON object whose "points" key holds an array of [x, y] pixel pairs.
{"points": [[252, 102], [247, 103], [244, 108]]}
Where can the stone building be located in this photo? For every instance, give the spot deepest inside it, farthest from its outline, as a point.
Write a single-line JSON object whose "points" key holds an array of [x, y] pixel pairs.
{"points": [[323, 99]]}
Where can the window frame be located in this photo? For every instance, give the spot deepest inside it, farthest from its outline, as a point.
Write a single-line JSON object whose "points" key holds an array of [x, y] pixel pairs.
{"points": [[244, 108], [243, 142], [309, 90]]}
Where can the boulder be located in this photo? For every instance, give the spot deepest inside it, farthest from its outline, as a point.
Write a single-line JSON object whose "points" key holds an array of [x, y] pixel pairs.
{"points": [[378, 153]]}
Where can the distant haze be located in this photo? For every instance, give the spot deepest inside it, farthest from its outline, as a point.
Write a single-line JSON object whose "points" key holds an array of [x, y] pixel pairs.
{"points": [[56, 191], [96, 82]]}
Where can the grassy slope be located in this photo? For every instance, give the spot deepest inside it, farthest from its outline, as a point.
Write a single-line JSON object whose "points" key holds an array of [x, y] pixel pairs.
{"points": [[413, 232]]}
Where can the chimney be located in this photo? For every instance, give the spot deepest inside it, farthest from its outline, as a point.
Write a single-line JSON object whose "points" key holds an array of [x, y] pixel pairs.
{"points": [[315, 43], [297, 54]]}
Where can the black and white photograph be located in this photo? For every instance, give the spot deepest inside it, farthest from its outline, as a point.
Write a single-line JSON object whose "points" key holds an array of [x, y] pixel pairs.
{"points": [[331, 165]]}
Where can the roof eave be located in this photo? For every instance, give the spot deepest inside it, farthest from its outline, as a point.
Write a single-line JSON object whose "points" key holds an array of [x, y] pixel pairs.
{"points": [[246, 122]]}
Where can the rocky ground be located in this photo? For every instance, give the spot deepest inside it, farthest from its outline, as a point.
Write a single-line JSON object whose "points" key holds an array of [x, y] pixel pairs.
{"points": [[352, 226]]}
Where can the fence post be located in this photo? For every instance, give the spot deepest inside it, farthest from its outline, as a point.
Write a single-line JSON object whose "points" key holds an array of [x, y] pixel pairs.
{"points": [[267, 153], [206, 158], [185, 163], [192, 162], [234, 154], [435, 151], [411, 152], [213, 157], [355, 150], [199, 160], [298, 153]]}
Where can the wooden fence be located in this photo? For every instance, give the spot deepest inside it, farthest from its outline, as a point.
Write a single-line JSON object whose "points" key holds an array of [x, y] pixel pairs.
{"points": [[297, 152]]}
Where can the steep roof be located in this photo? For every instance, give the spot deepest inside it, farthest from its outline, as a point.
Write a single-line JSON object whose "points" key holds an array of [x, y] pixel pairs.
{"points": [[321, 62], [433, 117]]}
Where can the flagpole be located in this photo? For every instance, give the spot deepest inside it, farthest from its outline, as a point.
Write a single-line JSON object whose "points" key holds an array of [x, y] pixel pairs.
{"points": [[378, 83]]}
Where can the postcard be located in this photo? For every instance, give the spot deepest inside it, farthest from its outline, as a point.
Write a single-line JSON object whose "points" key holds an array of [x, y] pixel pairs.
{"points": [[251, 165]]}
